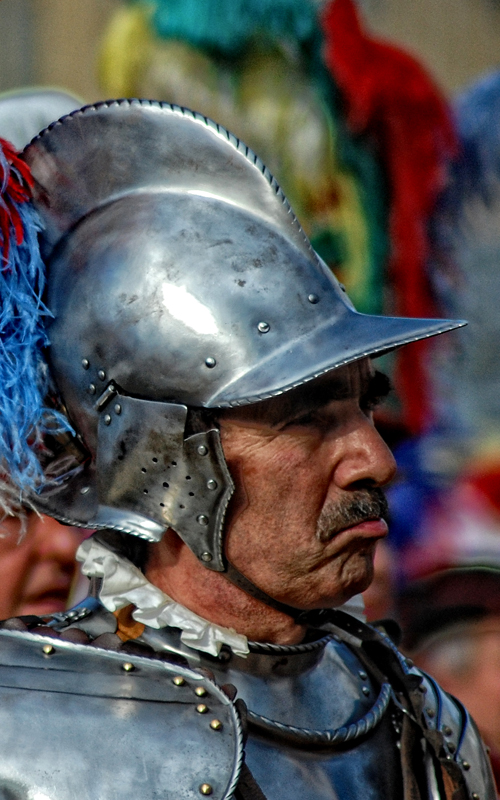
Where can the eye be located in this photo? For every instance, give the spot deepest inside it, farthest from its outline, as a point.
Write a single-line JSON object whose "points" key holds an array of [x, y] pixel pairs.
{"points": [[376, 393], [303, 420], [368, 404]]}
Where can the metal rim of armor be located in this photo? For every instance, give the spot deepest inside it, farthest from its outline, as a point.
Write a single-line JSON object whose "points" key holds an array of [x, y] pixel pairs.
{"points": [[326, 738]]}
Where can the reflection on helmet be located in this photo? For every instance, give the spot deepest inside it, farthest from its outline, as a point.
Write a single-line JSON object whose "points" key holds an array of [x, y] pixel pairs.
{"points": [[179, 278]]}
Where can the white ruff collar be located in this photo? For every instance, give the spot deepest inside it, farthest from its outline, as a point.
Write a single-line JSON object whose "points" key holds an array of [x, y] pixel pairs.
{"points": [[123, 583]]}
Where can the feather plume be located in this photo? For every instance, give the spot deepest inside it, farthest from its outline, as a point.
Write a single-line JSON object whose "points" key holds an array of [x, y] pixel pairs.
{"points": [[24, 418]]}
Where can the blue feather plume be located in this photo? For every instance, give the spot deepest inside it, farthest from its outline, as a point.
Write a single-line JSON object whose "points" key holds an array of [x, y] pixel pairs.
{"points": [[24, 417]]}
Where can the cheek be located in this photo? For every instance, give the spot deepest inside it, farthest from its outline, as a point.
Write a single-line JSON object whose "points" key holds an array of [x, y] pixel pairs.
{"points": [[274, 515]]}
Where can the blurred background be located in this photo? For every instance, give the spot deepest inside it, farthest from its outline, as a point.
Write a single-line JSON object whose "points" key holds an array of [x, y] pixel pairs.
{"points": [[55, 42]]}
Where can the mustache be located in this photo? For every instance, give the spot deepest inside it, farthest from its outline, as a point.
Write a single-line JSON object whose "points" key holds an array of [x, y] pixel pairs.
{"points": [[361, 505]]}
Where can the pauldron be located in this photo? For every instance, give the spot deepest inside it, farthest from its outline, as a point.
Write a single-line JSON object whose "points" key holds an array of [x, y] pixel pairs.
{"points": [[83, 722]]}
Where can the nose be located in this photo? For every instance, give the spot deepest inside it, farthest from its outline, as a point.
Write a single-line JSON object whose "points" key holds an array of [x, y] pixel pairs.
{"points": [[364, 458]]}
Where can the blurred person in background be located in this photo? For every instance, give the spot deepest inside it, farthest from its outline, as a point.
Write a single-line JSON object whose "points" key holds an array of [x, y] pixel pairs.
{"points": [[451, 629], [448, 603], [38, 571], [24, 112]]}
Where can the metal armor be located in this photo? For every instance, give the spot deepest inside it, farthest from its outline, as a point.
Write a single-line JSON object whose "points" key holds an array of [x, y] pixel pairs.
{"points": [[178, 277], [340, 717]]}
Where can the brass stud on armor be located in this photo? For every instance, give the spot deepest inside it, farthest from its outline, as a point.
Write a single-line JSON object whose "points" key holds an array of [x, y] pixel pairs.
{"points": [[101, 375], [206, 789], [48, 649], [451, 747], [447, 730], [430, 712], [313, 298], [362, 674], [263, 327], [85, 490], [201, 691], [211, 484], [365, 690], [85, 363], [466, 765], [210, 362], [201, 708], [216, 725], [475, 796], [118, 409], [179, 681], [107, 419], [128, 667], [202, 450], [92, 388], [206, 556], [202, 519]]}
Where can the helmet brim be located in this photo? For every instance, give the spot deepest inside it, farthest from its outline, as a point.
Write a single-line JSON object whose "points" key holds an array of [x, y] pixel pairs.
{"points": [[323, 350]]}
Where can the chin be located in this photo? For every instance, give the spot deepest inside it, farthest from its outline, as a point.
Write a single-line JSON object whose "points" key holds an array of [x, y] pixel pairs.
{"points": [[352, 581]]}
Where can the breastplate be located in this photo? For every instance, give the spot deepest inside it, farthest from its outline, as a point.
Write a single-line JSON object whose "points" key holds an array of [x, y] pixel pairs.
{"points": [[307, 690]]}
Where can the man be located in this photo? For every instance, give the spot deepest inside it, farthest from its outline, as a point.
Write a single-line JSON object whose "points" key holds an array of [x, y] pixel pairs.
{"points": [[37, 565], [219, 387]]}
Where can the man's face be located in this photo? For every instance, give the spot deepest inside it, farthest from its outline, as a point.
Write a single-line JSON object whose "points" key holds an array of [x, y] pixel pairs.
{"points": [[308, 510], [36, 572]]}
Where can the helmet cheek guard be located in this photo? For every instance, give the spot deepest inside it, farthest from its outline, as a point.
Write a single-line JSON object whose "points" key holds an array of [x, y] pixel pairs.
{"points": [[145, 466], [146, 477]]}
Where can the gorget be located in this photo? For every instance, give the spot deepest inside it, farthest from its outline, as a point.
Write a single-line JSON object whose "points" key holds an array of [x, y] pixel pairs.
{"points": [[341, 716]]}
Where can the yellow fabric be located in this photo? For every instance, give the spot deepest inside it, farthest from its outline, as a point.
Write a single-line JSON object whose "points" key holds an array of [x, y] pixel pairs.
{"points": [[270, 103]]}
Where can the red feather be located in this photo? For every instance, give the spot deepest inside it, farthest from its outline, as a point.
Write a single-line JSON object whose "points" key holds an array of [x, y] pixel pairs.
{"points": [[389, 97], [15, 187]]}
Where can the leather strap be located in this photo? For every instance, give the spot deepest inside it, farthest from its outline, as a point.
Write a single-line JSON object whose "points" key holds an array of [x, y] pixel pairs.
{"points": [[248, 788], [242, 582]]}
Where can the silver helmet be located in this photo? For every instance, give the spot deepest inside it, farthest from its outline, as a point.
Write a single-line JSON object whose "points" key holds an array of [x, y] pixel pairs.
{"points": [[178, 278]]}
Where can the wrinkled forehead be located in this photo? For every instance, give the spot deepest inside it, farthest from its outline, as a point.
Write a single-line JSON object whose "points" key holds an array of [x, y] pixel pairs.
{"points": [[349, 381]]}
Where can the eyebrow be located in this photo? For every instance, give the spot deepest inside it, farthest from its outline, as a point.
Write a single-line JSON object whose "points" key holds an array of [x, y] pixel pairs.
{"points": [[284, 408], [374, 389], [378, 387]]}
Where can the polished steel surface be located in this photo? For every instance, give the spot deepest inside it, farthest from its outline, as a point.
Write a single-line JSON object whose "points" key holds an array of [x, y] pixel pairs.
{"points": [[147, 477], [177, 273], [176, 246], [318, 688], [86, 723], [324, 687], [145, 465], [463, 743], [159, 711]]}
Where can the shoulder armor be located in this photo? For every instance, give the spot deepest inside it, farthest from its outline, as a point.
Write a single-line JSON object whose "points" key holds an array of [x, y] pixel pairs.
{"points": [[463, 745], [73, 717], [445, 723]]}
